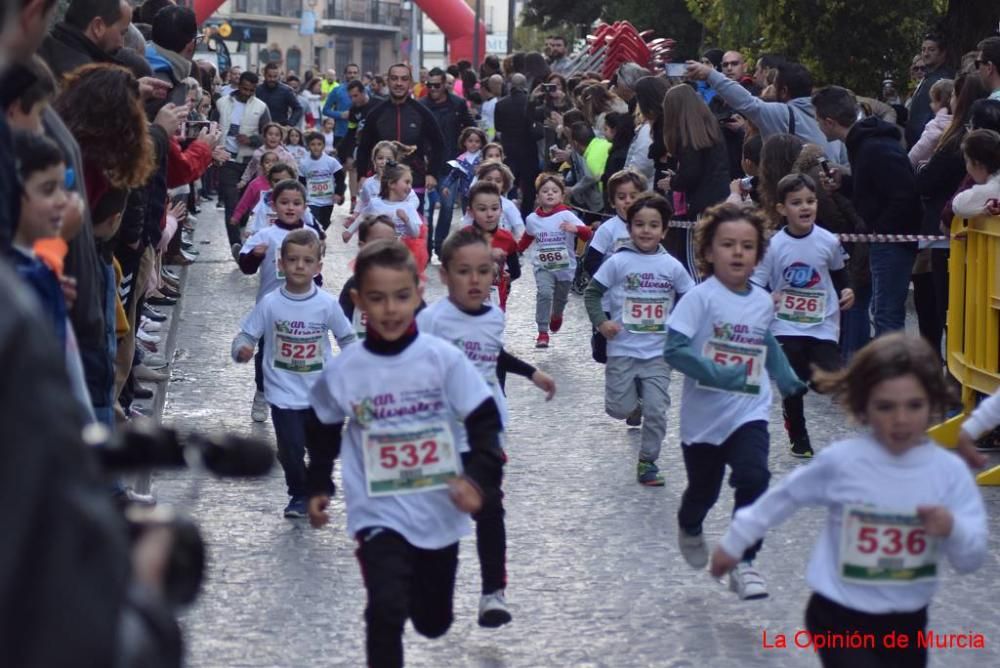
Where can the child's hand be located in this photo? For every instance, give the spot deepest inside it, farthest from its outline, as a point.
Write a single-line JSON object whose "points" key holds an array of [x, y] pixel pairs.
{"points": [[721, 563], [244, 354], [967, 451], [402, 216], [735, 188], [445, 192], [776, 298], [846, 299], [937, 520], [567, 226], [318, 516], [178, 211], [349, 220], [338, 199], [609, 329], [464, 495], [499, 255], [68, 285], [260, 250], [545, 383], [234, 223], [346, 236], [993, 207]]}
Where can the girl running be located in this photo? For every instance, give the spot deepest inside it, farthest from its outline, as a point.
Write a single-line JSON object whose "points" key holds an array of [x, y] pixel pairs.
{"points": [[486, 210], [498, 174]]}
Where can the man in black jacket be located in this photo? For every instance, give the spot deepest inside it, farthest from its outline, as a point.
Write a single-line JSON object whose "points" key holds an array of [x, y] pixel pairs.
{"points": [[933, 53], [280, 99], [92, 31], [452, 115], [402, 118], [883, 189], [519, 144]]}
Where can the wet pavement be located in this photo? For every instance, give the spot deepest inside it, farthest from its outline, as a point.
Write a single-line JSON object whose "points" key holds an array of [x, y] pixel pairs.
{"points": [[595, 577]]}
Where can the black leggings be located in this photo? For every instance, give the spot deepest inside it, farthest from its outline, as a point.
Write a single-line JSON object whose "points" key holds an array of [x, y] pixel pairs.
{"points": [[804, 352], [491, 539]]}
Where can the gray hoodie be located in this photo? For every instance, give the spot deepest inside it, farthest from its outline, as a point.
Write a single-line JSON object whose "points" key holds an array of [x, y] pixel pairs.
{"points": [[772, 118]]}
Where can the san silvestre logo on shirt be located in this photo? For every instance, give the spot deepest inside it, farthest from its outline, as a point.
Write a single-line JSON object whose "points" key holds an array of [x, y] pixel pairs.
{"points": [[389, 406], [737, 333], [647, 281], [475, 351]]}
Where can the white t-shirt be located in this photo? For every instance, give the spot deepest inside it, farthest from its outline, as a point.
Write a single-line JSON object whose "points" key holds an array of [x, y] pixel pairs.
{"points": [[861, 472], [799, 268], [380, 207], [370, 190], [510, 218], [263, 214], [480, 337], [553, 249], [642, 289], [271, 277], [296, 345], [730, 328], [320, 184], [299, 152], [610, 236], [428, 386]]}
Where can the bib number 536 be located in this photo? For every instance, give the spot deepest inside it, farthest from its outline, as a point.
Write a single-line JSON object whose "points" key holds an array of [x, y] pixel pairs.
{"points": [[891, 541]]}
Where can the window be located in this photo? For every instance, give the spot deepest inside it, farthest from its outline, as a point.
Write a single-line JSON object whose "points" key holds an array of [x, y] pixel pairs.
{"points": [[343, 53], [274, 56], [370, 55], [293, 61]]}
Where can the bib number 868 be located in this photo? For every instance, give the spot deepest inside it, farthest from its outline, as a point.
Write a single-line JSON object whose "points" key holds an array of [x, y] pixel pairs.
{"points": [[891, 541], [408, 455]]}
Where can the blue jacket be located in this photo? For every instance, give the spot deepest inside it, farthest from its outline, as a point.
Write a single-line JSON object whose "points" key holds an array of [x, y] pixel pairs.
{"points": [[338, 107]]}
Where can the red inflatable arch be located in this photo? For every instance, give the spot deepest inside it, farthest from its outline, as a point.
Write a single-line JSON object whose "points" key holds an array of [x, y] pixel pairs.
{"points": [[455, 18]]}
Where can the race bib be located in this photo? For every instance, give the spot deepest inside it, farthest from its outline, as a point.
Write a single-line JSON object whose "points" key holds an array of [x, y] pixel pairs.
{"points": [[277, 267], [553, 256], [646, 315], [879, 547], [729, 353], [807, 307], [404, 461], [494, 298], [298, 354], [360, 322], [320, 187]]}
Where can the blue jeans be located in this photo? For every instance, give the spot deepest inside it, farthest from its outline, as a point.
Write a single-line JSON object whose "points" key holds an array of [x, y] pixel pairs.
{"points": [[891, 265], [442, 226], [856, 324], [745, 452], [290, 432]]}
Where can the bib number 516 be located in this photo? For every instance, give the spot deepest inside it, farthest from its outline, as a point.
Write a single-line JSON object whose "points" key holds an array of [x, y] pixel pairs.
{"points": [[648, 311]]}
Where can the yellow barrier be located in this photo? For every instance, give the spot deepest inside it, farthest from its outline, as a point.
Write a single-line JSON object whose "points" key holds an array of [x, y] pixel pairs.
{"points": [[973, 341]]}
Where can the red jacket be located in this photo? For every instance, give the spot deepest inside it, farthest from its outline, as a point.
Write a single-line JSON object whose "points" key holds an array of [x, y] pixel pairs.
{"points": [[187, 165], [504, 240]]}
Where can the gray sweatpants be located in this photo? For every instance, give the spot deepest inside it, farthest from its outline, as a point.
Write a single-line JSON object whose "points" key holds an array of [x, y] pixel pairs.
{"points": [[623, 378], [551, 297]]}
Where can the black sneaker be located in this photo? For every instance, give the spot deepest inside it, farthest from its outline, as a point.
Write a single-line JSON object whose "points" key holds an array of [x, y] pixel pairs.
{"points": [[634, 418], [802, 448]]}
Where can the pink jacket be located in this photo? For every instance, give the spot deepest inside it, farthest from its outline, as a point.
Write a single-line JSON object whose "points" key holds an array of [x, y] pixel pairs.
{"points": [[250, 197], [922, 150]]}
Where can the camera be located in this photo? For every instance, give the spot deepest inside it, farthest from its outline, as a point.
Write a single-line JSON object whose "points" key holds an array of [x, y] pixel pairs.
{"points": [[746, 184], [549, 87], [192, 129]]}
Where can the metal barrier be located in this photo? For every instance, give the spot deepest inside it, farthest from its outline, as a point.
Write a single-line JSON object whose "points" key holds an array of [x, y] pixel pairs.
{"points": [[973, 340]]}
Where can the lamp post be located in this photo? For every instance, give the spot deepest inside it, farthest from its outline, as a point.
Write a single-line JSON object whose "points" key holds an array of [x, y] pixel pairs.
{"points": [[476, 55]]}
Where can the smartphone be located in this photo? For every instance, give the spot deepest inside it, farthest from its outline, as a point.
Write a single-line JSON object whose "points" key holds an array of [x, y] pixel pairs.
{"points": [[194, 128], [675, 69], [825, 166], [548, 87]]}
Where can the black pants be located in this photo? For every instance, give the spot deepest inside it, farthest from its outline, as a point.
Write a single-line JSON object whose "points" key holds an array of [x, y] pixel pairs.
{"points": [[929, 319], [745, 451], [322, 214], [824, 616], [229, 178], [403, 582], [803, 353], [491, 539], [258, 366]]}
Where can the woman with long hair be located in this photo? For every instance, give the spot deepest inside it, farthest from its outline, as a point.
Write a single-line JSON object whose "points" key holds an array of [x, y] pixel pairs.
{"points": [[619, 129], [596, 101], [699, 173], [777, 158]]}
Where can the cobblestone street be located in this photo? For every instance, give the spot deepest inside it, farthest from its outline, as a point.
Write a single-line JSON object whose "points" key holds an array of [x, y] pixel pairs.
{"points": [[595, 577]]}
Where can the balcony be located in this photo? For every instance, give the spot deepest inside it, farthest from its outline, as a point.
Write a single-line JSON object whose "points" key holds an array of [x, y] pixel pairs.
{"points": [[291, 9], [360, 11]]}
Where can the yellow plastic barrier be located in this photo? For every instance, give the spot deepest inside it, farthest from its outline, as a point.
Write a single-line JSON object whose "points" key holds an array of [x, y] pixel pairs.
{"points": [[973, 341]]}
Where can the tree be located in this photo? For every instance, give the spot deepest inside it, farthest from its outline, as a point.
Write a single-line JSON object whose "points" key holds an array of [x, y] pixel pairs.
{"points": [[966, 22]]}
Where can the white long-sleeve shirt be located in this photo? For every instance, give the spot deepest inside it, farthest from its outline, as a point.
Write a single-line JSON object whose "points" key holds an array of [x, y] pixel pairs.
{"points": [[976, 200], [984, 418], [860, 471]]}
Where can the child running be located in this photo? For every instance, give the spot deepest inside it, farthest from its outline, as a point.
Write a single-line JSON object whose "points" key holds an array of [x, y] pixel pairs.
{"points": [[251, 196], [264, 213], [454, 188], [394, 201], [494, 151], [406, 489], [372, 228], [638, 286], [383, 153], [273, 136], [553, 229], [262, 249], [486, 209], [293, 321], [805, 271], [476, 328], [324, 177], [295, 143], [897, 504], [719, 338], [498, 174]]}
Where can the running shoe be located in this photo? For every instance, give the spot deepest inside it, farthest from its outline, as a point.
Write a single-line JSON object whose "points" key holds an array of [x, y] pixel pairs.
{"points": [[235, 250], [634, 418], [259, 409], [647, 473], [747, 582], [296, 508], [692, 548], [543, 340], [493, 611], [555, 323], [801, 448]]}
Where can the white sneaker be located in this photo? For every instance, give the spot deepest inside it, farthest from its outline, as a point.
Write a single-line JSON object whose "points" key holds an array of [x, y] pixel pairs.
{"points": [[493, 611], [155, 360], [259, 409], [143, 335], [693, 548], [747, 582], [149, 326]]}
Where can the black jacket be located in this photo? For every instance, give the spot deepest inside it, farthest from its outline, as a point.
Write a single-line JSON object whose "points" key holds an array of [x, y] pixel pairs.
{"points": [[283, 104], [66, 48], [452, 117], [937, 182], [514, 127], [920, 106], [409, 123], [882, 186], [703, 177]]}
